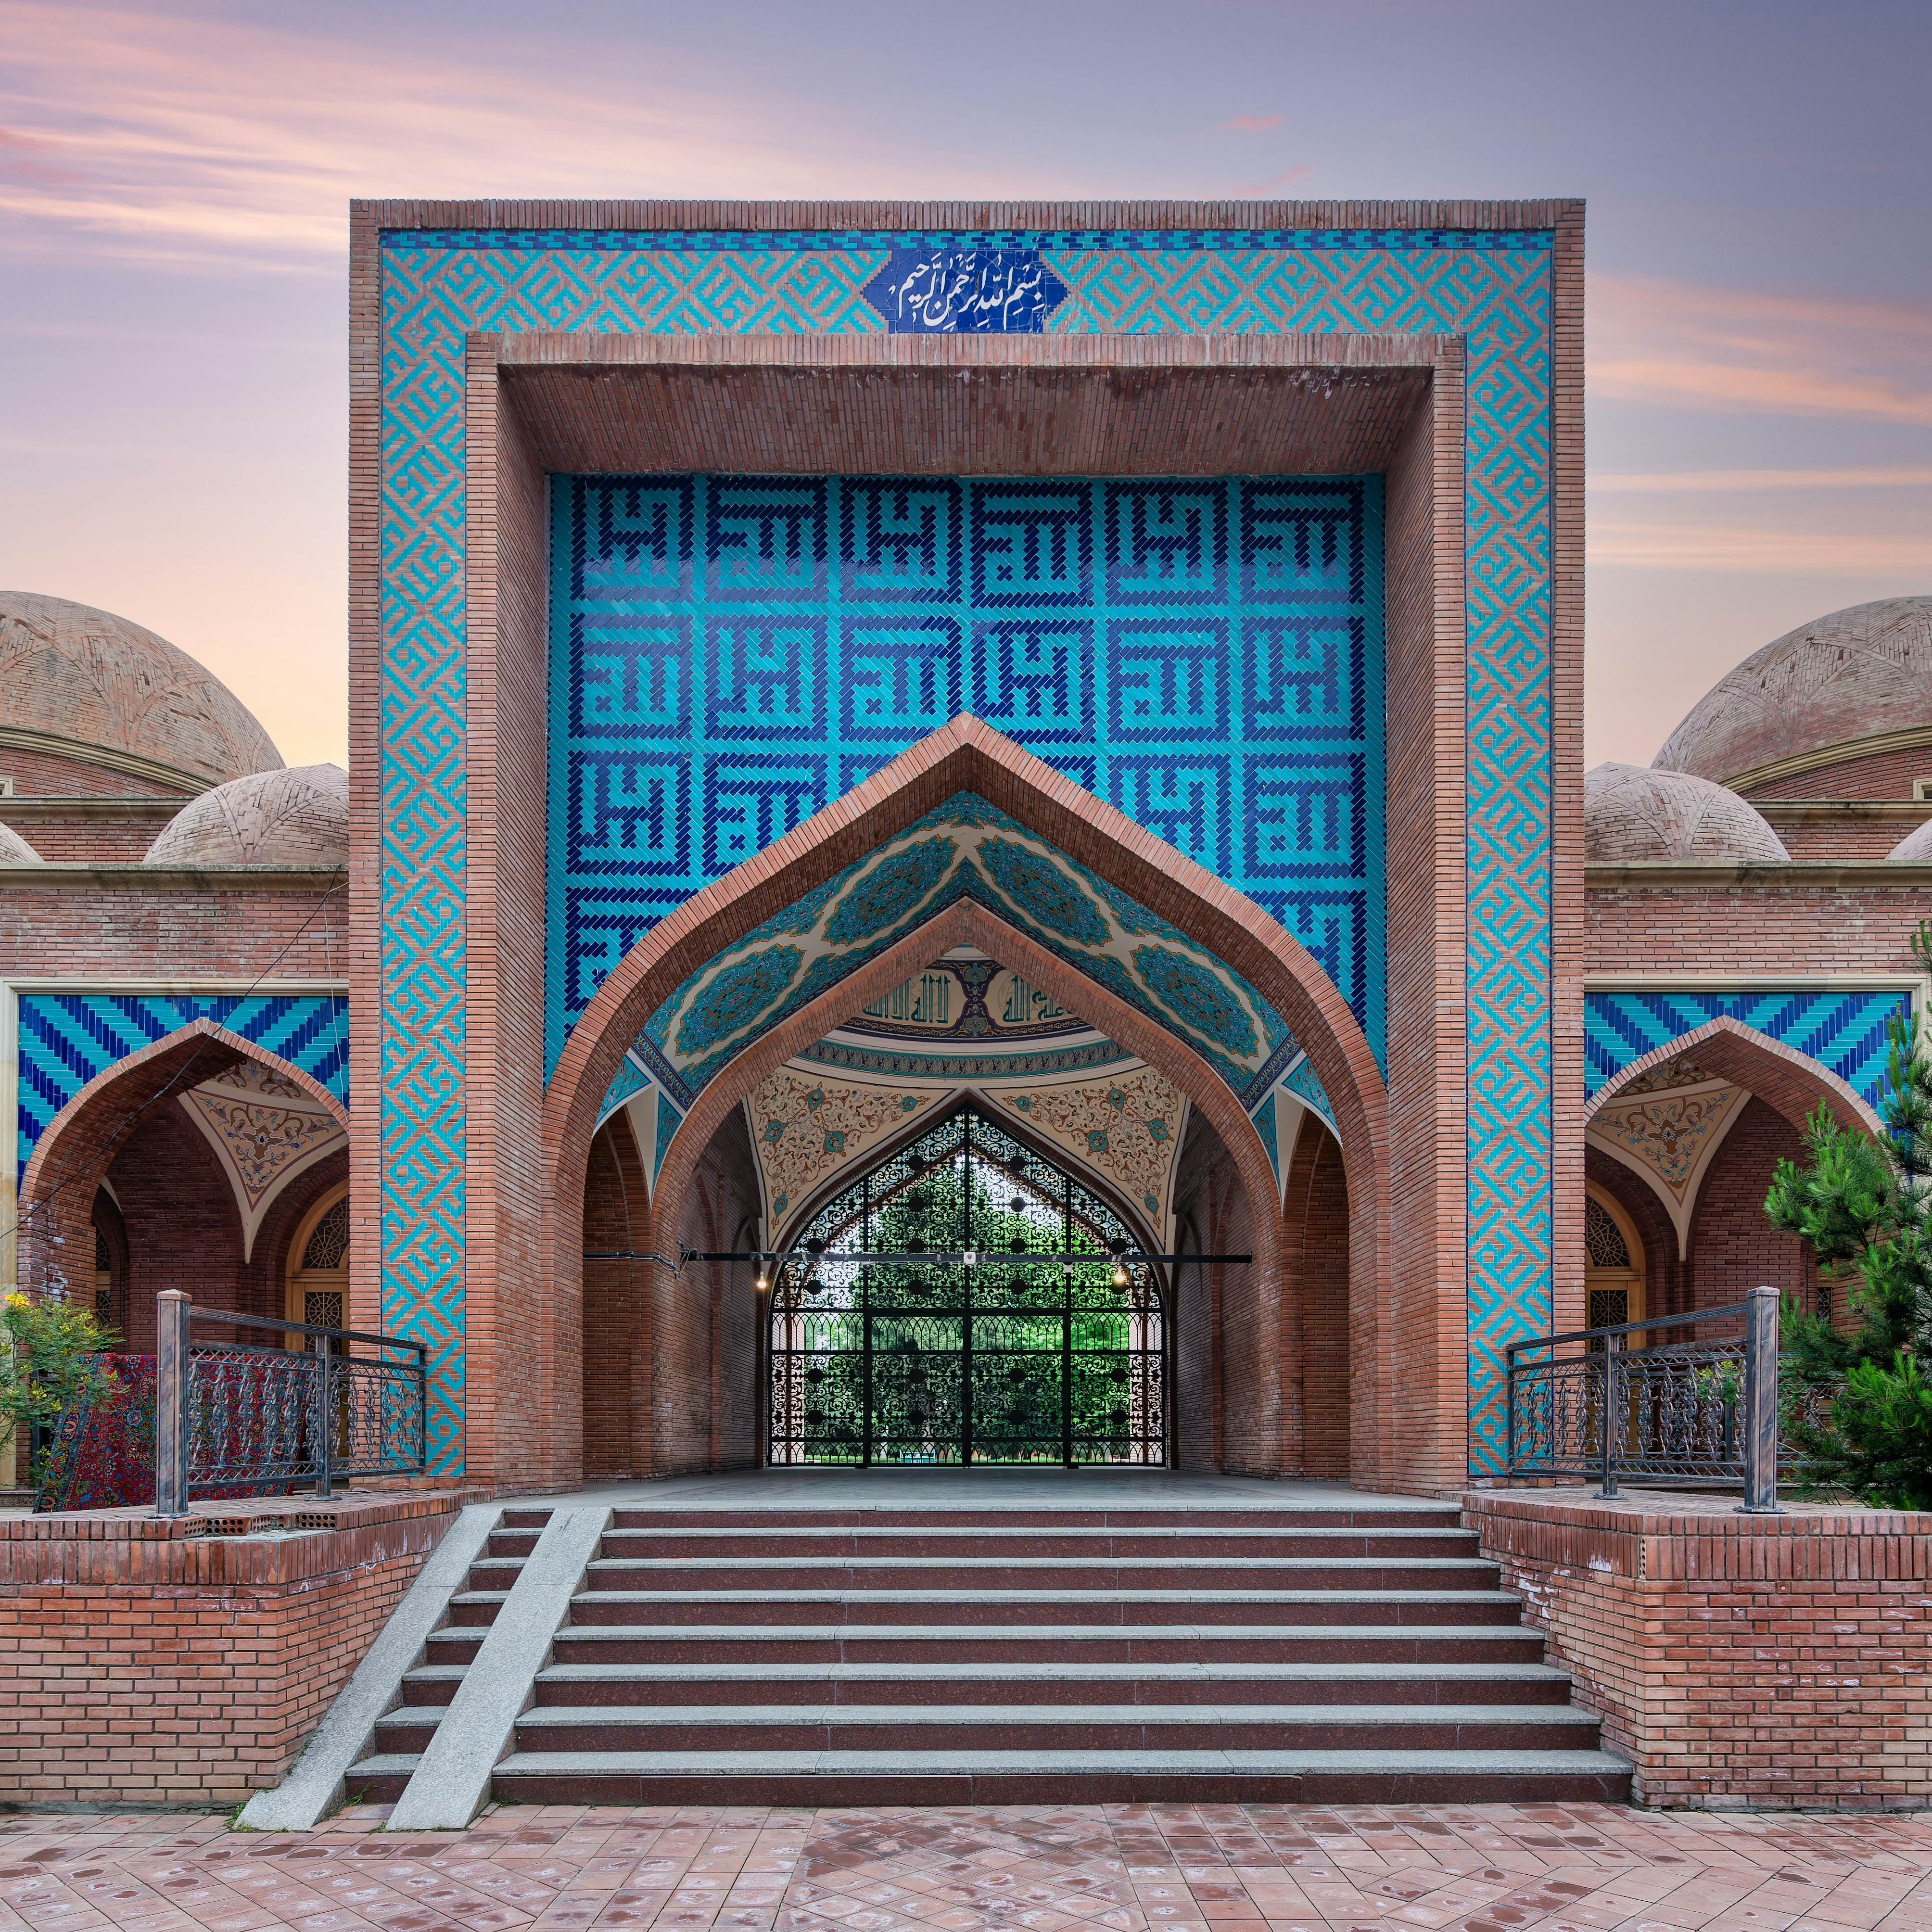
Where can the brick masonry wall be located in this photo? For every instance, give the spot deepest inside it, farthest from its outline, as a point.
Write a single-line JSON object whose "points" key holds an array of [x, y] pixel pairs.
{"points": [[1820, 839], [47, 774], [615, 1346], [1767, 1663], [113, 841], [704, 1409], [1319, 1200], [1762, 927], [163, 935], [1733, 1247], [152, 1663], [1887, 774]]}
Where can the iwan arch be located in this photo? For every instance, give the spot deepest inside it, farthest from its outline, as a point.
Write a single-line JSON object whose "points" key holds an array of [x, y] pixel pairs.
{"points": [[701, 553]]}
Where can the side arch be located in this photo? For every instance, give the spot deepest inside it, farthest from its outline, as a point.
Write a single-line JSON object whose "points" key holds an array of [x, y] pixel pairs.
{"points": [[71, 1158], [967, 755], [1793, 1082]]}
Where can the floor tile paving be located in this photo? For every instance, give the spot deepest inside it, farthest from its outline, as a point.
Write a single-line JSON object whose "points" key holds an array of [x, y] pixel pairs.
{"points": [[1116, 1868]]}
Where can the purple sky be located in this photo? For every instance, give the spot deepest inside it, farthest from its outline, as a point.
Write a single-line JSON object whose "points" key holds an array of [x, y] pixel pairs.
{"points": [[174, 183]]}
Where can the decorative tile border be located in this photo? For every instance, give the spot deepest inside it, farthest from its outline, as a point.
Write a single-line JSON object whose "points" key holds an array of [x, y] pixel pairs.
{"points": [[1494, 289]]}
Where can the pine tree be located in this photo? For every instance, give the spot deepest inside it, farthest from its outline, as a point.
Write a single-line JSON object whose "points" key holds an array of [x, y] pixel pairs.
{"points": [[1865, 1208]]}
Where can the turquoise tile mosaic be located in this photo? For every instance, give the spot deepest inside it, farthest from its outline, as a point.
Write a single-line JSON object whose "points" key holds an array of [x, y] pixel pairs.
{"points": [[67, 1039], [1843, 1029], [1493, 289], [729, 654]]}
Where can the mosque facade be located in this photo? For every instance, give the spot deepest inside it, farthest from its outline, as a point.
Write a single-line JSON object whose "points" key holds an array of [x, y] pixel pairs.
{"points": [[1077, 705]]}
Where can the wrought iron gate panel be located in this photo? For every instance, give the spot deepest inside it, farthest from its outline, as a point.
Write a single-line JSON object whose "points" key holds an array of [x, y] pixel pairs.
{"points": [[998, 1359]]}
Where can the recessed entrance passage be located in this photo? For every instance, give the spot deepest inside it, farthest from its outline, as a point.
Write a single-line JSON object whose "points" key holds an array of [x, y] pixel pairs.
{"points": [[966, 1301]]}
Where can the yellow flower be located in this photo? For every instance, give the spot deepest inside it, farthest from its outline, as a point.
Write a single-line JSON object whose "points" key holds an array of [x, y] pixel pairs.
{"points": [[16, 1300]]}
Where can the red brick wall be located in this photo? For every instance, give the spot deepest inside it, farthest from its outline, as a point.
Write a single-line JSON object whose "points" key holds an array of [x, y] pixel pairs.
{"points": [[1737, 1662], [46, 774], [1237, 1397], [704, 1334], [114, 842], [1733, 1247], [149, 1666], [615, 1344], [1318, 1223], [1889, 774], [1763, 927], [1846, 838]]}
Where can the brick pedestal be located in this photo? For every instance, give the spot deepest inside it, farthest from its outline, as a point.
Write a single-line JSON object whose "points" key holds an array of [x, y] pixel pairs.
{"points": [[183, 1664], [1737, 1661]]}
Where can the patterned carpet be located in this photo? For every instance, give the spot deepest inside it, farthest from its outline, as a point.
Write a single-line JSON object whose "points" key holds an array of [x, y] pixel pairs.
{"points": [[1128, 1868]]}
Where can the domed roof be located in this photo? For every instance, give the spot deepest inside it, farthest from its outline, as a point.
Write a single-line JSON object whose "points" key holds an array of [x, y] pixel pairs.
{"points": [[1631, 811], [1852, 674], [1915, 848], [85, 678], [297, 817], [14, 851]]}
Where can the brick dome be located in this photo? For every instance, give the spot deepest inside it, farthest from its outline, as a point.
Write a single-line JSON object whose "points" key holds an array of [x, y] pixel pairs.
{"points": [[1853, 674], [14, 851], [1634, 812], [1915, 848], [81, 682], [293, 817]]}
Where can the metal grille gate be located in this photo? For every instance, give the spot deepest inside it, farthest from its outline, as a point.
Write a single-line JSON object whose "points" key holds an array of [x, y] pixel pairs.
{"points": [[877, 1354]]}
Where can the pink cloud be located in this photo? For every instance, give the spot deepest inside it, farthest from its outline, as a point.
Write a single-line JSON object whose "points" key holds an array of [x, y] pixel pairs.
{"points": [[166, 134], [1252, 124], [1700, 348]]}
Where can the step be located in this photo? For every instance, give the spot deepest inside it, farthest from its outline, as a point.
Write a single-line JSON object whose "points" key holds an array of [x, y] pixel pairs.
{"points": [[867, 1778], [1007, 1682], [1358, 1513], [1351, 1640], [956, 1544], [475, 1609], [1190, 1573], [669, 1607]]}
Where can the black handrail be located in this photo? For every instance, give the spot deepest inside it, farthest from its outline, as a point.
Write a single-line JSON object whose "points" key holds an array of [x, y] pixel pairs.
{"points": [[232, 1417], [1687, 1413]]}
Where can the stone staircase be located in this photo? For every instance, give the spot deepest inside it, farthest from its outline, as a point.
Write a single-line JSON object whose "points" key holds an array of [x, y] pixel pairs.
{"points": [[1006, 1655]]}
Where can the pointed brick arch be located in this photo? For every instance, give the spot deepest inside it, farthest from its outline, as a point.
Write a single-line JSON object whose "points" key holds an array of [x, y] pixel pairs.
{"points": [[967, 755], [72, 1155], [1793, 1082]]}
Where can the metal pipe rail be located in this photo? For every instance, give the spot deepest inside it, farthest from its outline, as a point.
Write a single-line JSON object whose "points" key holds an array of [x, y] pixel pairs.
{"points": [[1690, 1413], [229, 1416]]}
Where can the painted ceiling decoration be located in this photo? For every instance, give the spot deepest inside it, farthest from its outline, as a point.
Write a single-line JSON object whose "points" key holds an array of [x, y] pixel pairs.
{"points": [[1128, 1128], [265, 1130], [1667, 1127], [965, 849], [1297, 1094], [805, 1128]]}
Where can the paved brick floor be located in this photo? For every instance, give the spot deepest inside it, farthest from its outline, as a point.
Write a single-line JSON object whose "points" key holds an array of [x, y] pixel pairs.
{"points": [[1126, 1868]]}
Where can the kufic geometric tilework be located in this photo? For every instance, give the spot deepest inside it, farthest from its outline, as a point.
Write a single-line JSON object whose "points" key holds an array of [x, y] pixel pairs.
{"points": [[730, 654], [1493, 289], [68, 1039], [1845, 1031]]}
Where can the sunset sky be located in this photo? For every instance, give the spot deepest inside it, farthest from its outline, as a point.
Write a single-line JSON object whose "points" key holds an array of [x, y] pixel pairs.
{"points": [[175, 183]]}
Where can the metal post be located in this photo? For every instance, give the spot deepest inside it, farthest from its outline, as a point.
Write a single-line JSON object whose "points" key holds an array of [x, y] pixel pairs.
{"points": [[1612, 1348], [325, 1419], [172, 1311], [1761, 1404]]}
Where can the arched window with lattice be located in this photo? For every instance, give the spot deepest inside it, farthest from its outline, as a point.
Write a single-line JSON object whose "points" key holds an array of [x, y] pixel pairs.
{"points": [[318, 1281], [1613, 1262]]}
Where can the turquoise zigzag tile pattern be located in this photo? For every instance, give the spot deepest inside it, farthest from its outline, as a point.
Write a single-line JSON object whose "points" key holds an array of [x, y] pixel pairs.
{"points": [[964, 848], [1844, 1031], [1492, 289], [68, 1039], [730, 653]]}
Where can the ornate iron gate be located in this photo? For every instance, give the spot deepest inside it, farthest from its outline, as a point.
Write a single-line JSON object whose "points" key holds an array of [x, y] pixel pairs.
{"points": [[910, 1326]]}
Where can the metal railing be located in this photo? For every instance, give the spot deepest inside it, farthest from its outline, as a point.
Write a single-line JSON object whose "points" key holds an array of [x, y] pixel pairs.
{"points": [[233, 1416], [1698, 1413]]}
